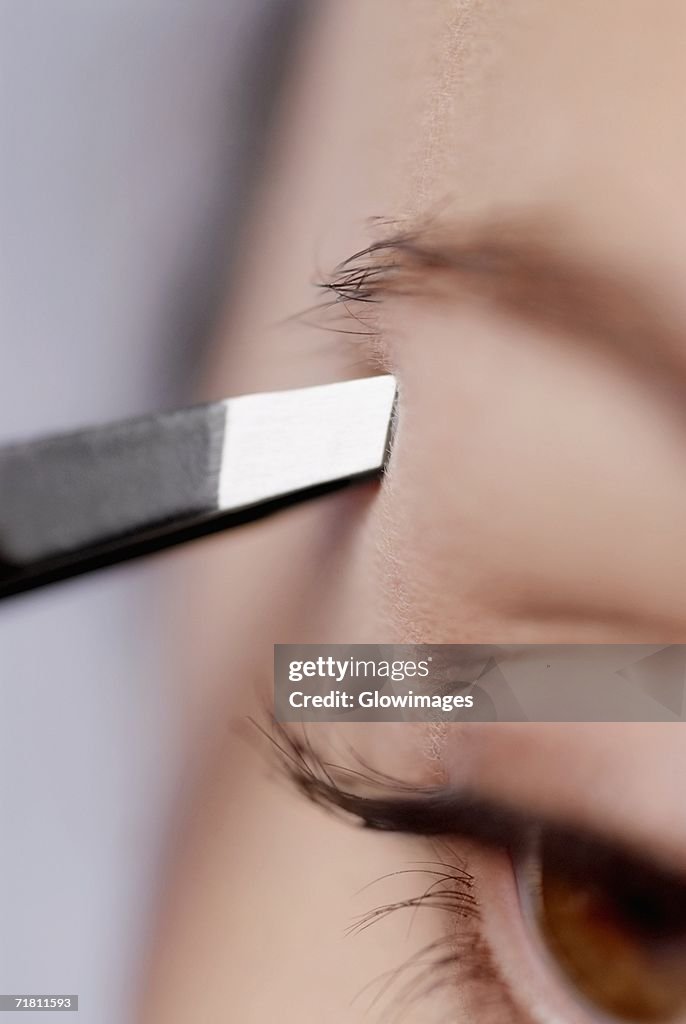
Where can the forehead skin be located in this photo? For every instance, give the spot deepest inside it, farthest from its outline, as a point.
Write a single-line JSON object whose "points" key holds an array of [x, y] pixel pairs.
{"points": [[547, 485], [561, 509], [537, 486], [576, 106]]}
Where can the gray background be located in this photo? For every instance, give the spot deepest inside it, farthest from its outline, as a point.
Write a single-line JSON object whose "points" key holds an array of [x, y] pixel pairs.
{"points": [[128, 132]]}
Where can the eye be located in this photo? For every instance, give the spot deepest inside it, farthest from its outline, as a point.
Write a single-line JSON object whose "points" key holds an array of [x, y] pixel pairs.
{"points": [[615, 928]]}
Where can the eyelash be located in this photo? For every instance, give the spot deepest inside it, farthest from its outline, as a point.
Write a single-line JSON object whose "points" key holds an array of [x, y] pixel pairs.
{"points": [[456, 957], [615, 886], [435, 964]]}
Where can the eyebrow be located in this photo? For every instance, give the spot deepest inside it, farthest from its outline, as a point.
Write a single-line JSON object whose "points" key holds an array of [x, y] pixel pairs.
{"points": [[524, 269]]}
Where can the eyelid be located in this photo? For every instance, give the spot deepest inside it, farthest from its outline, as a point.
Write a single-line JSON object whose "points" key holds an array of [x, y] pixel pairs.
{"points": [[523, 963], [384, 803], [508, 836]]}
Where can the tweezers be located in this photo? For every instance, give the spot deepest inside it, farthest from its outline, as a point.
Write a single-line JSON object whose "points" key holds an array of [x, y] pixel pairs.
{"points": [[75, 502]]}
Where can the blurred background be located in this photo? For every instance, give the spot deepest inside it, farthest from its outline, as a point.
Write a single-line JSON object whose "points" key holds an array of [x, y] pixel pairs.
{"points": [[131, 133]]}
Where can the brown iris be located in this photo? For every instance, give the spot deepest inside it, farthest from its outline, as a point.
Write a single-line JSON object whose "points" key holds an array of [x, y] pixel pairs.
{"points": [[616, 927]]}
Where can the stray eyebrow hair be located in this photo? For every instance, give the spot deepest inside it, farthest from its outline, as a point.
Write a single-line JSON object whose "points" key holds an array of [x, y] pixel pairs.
{"points": [[383, 803], [524, 269]]}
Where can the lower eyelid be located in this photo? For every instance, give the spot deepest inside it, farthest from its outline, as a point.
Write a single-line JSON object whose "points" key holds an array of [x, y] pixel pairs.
{"points": [[521, 962], [417, 901], [486, 994]]}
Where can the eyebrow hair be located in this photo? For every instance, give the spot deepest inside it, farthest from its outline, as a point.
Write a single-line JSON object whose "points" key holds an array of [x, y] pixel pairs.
{"points": [[525, 270]]}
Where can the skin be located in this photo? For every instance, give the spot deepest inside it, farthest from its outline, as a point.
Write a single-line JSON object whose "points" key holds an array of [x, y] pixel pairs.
{"points": [[535, 493]]}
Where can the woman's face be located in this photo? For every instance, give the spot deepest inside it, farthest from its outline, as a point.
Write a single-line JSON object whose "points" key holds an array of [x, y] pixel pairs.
{"points": [[525, 164]]}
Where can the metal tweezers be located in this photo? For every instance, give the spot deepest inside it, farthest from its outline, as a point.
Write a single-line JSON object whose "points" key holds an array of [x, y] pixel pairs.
{"points": [[75, 502]]}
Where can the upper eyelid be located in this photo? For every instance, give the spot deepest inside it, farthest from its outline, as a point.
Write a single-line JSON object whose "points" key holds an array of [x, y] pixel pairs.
{"points": [[395, 805], [313, 777], [392, 805]]}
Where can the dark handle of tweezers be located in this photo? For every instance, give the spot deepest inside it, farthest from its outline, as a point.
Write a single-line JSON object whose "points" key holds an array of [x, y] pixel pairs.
{"points": [[56, 504]]}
